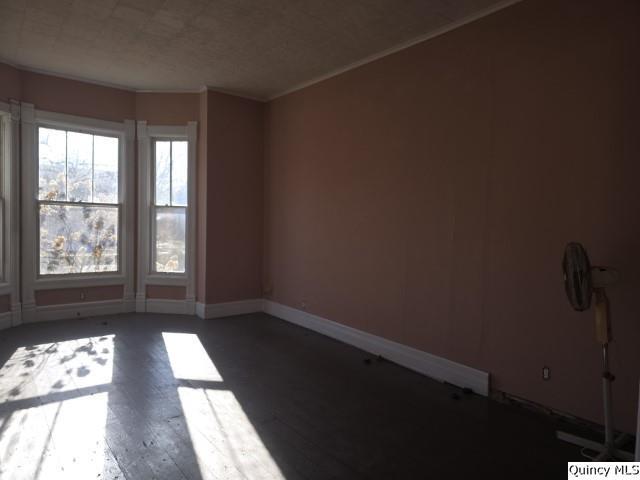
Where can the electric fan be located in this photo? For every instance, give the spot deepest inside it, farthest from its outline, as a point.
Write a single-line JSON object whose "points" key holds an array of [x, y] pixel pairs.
{"points": [[584, 283]]}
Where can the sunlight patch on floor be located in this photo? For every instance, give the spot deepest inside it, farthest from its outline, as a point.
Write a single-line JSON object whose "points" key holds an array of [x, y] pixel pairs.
{"points": [[188, 358], [54, 368], [224, 440], [77, 429], [53, 409]]}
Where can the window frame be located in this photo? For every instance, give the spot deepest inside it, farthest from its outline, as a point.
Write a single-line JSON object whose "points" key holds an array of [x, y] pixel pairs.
{"points": [[9, 205], [147, 275], [32, 280], [5, 156]]}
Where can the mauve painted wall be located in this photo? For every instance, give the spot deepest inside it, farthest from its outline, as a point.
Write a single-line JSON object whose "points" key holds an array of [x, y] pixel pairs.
{"points": [[427, 197], [60, 296], [166, 291], [61, 95], [234, 172], [10, 86], [167, 108]]}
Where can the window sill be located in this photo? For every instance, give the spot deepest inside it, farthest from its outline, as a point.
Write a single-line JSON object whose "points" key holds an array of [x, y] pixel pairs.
{"points": [[75, 281], [166, 279]]}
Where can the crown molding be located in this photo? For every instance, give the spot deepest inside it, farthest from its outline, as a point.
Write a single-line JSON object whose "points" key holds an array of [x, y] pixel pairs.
{"points": [[116, 86], [75, 78], [225, 91]]}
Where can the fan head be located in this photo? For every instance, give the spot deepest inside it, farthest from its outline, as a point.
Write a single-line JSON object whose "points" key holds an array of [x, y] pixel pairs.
{"points": [[577, 276]]}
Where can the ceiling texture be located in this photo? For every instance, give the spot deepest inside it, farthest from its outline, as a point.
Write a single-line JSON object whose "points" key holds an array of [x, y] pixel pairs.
{"points": [[257, 48]]}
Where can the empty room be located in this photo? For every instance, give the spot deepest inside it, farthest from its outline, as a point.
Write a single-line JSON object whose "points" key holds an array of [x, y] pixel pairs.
{"points": [[319, 239]]}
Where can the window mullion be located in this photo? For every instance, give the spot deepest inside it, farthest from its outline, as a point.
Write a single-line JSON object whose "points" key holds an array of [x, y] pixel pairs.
{"points": [[152, 173], [66, 166], [93, 166]]}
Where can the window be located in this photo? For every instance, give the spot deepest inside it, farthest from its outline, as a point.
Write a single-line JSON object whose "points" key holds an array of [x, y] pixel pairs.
{"points": [[78, 202], [170, 202], [77, 207], [166, 210]]}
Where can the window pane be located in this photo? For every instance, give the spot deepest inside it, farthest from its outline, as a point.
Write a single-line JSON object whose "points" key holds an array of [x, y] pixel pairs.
{"points": [[52, 164], [170, 239], [79, 166], [105, 169], [179, 174], [163, 173], [78, 239]]}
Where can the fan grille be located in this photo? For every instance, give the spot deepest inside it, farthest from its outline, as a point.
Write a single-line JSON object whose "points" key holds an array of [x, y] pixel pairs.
{"points": [[577, 276]]}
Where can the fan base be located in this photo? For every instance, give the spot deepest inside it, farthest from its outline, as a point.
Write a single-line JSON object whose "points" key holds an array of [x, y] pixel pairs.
{"points": [[605, 453]]}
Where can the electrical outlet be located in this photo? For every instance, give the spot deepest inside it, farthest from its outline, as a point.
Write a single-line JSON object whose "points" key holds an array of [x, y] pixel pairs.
{"points": [[546, 373]]}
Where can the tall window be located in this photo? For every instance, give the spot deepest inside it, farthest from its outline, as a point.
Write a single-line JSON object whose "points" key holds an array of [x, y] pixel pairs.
{"points": [[170, 202], [166, 211], [78, 202]]}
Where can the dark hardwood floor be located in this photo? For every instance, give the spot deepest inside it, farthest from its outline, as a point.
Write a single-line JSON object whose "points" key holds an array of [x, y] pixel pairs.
{"points": [[146, 396]]}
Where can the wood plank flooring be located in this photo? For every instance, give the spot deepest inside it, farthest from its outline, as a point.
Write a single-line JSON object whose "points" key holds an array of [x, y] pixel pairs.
{"points": [[144, 396]]}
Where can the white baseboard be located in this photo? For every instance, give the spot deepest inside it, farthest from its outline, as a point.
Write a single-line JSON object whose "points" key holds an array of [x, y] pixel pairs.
{"points": [[140, 302], [77, 310], [422, 362], [16, 314], [129, 303], [228, 309], [6, 319], [162, 305], [28, 313]]}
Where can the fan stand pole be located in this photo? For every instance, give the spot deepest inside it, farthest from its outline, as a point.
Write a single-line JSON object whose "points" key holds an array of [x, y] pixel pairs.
{"points": [[610, 448], [603, 335], [609, 435]]}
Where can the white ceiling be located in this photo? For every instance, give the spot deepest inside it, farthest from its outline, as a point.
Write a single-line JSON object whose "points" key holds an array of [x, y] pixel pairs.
{"points": [[258, 48]]}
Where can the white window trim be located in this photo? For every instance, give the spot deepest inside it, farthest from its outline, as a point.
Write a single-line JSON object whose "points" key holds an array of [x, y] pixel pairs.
{"points": [[146, 135], [31, 281], [10, 241]]}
